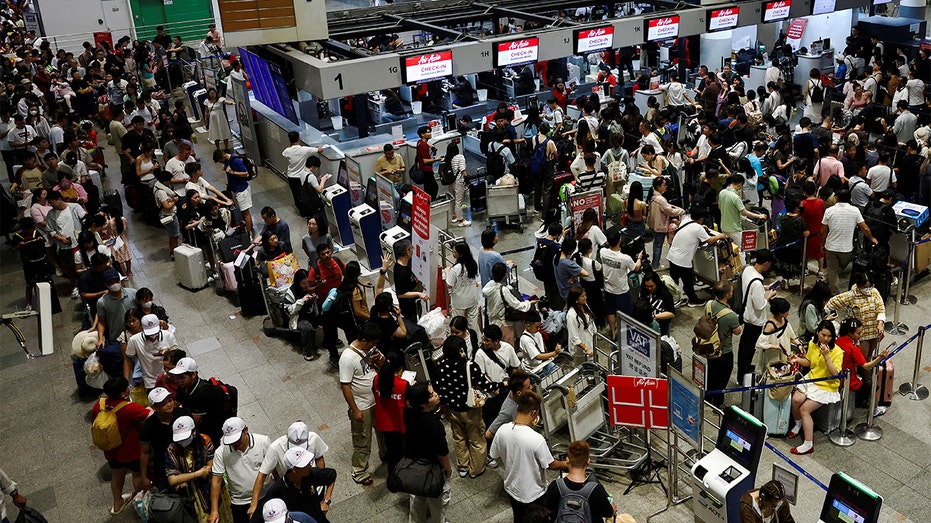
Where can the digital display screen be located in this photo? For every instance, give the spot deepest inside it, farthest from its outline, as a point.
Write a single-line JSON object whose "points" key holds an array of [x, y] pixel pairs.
{"points": [[268, 84], [342, 176], [721, 19], [879, 2], [517, 52], [662, 28], [821, 7], [595, 39], [371, 193], [776, 11], [427, 67], [848, 501], [741, 438]]}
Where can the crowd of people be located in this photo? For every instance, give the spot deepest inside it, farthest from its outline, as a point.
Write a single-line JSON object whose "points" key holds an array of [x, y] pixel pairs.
{"points": [[829, 185]]}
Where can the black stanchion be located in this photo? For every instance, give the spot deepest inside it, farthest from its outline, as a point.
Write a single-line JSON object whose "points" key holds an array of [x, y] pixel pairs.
{"points": [[913, 390], [868, 430]]}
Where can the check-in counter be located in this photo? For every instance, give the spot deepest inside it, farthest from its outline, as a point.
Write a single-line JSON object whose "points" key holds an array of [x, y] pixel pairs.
{"points": [[757, 78], [824, 62], [642, 95]]}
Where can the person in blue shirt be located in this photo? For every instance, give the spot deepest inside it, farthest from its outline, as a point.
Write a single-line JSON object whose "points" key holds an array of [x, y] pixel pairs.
{"points": [[755, 159], [567, 270], [237, 181], [487, 257]]}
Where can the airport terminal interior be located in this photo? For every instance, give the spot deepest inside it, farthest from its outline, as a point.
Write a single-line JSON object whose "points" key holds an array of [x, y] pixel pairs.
{"points": [[422, 79]]}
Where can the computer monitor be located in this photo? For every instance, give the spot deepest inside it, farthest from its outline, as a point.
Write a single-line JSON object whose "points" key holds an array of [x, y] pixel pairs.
{"points": [[849, 501], [741, 438], [342, 175], [452, 122], [371, 193]]}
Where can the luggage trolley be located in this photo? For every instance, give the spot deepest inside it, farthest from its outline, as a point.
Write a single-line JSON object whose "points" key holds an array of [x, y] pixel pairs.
{"points": [[505, 204]]}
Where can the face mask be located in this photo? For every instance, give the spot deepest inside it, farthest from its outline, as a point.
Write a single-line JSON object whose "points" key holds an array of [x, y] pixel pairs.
{"points": [[116, 287], [33, 112], [186, 441], [865, 291], [778, 505], [148, 304]]}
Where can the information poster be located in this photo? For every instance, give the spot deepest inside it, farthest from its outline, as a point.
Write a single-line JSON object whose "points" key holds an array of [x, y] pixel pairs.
{"points": [[639, 346], [420, 235], [580, 202], [355, 181], [243, 111], [789, 482], [795, 32], [699, 371], [638, 402], [685, 408]]}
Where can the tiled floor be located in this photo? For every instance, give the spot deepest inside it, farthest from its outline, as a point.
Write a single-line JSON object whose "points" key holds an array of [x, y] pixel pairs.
{"points": [[45, 430]]}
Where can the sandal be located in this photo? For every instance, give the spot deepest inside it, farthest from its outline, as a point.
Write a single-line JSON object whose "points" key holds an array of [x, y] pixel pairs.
{"points": [[126, 498], [367, 482]]}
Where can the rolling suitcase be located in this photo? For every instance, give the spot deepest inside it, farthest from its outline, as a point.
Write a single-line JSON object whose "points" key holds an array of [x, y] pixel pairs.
{"points": [[249, 290], [776, 414], [885, 384], [112, 200], [133, 197], [189, 265], [478, 195], [231, 245]]}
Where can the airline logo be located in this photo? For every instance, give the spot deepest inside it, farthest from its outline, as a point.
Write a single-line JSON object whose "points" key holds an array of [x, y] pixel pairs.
{"points": [[778, 10], [518, 52], [423, 68], [595, 39], [663, 28], [723, 18]]}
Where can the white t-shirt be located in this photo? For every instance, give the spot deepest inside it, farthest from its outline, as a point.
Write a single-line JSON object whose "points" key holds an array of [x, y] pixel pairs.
{"points": [[149, 354], [202, 187], [880, 177], [616, 266], [675, 92], [842, 220], [756, 311], [531, 346], [297, 156], [597, 236], [241, 468], [686, 241], [505, 354], [464, 291], [526, 458], [176, 168], [354, 371], [274, 458]]}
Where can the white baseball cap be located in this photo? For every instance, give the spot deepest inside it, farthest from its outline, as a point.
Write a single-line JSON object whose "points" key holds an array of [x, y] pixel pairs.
{"points": [[184, 366], [182, 428], [297, 434], [275, 511], [158, 395], [150, 325], [232, 430], [297, 457]]}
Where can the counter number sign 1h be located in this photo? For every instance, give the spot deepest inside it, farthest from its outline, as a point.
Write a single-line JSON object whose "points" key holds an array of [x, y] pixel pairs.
{"points": [[662, 28], [776, 11], [427, 67], [722, 19], [594, 39], [517, 52]]}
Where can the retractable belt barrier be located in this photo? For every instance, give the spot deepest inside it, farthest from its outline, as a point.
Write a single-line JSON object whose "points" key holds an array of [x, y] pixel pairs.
{"points": [[796, 466], [515, 251], [772, 385]]}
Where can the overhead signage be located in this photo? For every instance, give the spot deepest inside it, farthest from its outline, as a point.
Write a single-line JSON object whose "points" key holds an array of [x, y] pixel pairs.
{"points": [[662, 28], [722, 19], [822, 7], [517, 52], [595, 39], [776, 11], [427, 67]]}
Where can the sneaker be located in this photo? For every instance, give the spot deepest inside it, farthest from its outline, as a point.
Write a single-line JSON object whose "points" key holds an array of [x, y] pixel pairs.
{"points": [[312, 356], [211, 279], [879, 411], [28, 308], [895, 281], [58, 272], [821, 276], [464, 223], [681, 303], [463, 473], [695, 304], [473, 476], [75, 293], [491, 462]]}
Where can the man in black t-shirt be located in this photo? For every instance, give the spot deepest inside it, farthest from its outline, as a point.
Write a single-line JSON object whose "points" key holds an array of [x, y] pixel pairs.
{"points": [[599, 506], [200, 397], [405, 283], [31, 247], [425, 439], [133, 142], [299, 487], [155, 435]]}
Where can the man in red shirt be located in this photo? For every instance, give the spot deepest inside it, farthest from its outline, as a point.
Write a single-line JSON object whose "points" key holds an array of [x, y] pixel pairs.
{"points": [[327, 274], [425, 161], [126, 456]]}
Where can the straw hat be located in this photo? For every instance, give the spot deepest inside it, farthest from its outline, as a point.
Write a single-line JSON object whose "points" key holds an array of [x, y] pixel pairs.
{"points": [[84, 344]]}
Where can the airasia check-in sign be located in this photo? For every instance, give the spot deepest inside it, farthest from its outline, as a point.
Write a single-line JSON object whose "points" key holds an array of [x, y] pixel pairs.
{"points": [[721, 19], [517, 52], [427, 67], [776, 11], [662, 28], [596, 39]]}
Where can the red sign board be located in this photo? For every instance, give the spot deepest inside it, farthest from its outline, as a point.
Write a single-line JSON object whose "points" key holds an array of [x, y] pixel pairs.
{"points": [[426, 67], [796, 28], [748, 241], [420, 219], [104, 36], [517, 52], [635, 401], [581, 202]]}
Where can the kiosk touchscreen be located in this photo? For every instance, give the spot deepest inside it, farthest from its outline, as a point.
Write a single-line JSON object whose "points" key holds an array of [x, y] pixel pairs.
{"points": [[849, 501], [366, 227], [338, 205], [728, 471]]}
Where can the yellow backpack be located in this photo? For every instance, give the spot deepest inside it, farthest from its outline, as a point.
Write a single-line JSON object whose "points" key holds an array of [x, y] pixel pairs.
{"points": [[106, 428]]}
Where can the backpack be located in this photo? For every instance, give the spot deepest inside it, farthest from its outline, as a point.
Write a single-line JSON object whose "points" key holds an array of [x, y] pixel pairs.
{"points": [[574, 506], [739, 300], [28, 514], [165, 507], [538, 157], [447, 176], [816, 93], [251, 166], [310, 201], [494, 162], [228, 396], [544, 260], [873, 216], [707, 341], [106, 429]]}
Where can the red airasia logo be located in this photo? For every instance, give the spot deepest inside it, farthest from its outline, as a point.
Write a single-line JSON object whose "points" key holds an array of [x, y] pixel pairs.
{"points": [[777, 5], [430, 58], [662, 22], [519, 44], [725, 12]]}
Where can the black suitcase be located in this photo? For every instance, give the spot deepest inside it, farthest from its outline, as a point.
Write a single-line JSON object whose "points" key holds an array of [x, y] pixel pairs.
{"points": [[112, 200], [478, 195], [249, 289], [231, 244]]}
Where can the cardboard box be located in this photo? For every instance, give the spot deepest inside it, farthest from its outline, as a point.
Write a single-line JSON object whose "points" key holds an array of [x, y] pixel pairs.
{"points": [[917, 214]]}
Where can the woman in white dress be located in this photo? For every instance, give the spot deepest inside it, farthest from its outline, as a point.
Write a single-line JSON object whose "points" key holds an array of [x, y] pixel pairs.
{"points": [[813, 108], [218, 127], [580, 322]]}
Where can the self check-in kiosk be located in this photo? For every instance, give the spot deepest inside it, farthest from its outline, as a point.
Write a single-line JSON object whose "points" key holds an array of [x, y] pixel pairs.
{"points": [[338, 204], [728, 471], [848, 500], [366, 227]]}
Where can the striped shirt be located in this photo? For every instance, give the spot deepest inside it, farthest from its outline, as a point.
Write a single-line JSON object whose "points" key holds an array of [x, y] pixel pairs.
{"points": [[588, 180]]}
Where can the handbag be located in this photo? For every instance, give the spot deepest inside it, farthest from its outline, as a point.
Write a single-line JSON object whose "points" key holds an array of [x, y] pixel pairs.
{"points": [[419, 477], [474, 398], [510, 313], [416, 175]]}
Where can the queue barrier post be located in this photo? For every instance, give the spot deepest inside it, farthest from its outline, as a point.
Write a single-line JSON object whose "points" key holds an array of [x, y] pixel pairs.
{"points": [[868, 430], [896, 327], [914, 391], [908, 299], [843, 436], [804, 271]]}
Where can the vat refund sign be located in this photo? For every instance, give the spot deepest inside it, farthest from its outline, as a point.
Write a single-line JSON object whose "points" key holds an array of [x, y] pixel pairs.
{"points": [[640, 347]]}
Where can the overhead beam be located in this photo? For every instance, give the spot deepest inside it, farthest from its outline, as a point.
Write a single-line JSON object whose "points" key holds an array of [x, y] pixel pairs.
{"points": [[419, 24]]}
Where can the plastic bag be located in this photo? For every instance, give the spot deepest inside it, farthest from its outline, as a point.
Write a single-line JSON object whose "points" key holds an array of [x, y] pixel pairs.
{"points": [[434, 323], [141, 503], [93, 369], [554, 322]]}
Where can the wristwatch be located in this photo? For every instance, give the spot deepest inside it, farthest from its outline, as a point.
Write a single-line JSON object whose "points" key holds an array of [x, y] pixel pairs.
{"points": [[328, 501]]}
